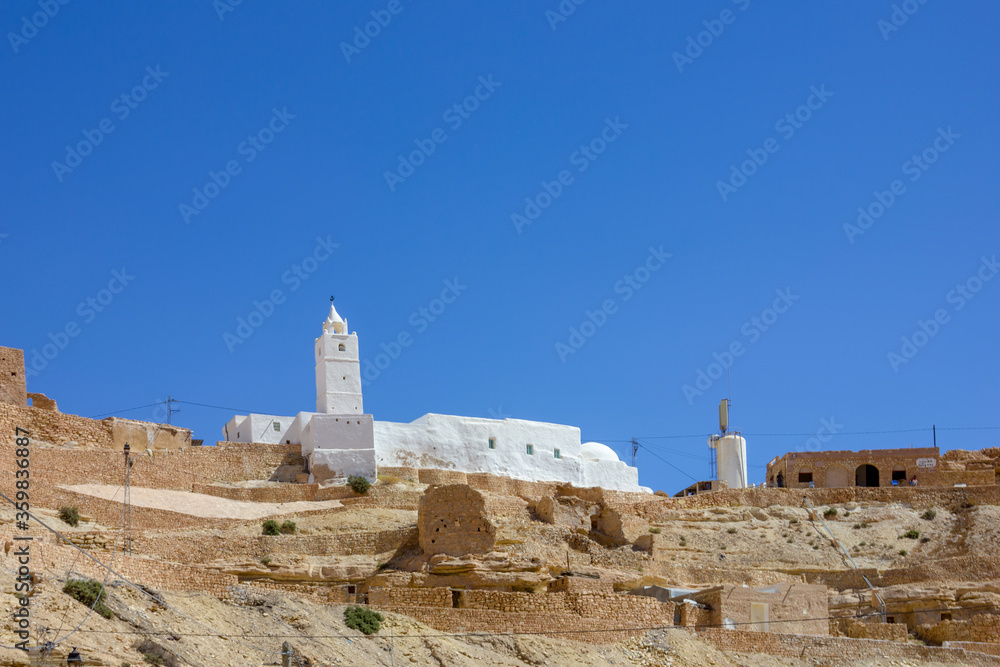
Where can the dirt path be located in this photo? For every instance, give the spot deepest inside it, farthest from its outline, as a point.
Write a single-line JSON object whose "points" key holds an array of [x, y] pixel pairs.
{"points": [[198, 504]]}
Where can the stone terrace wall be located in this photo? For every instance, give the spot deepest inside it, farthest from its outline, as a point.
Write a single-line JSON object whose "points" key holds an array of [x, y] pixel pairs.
{"points": [[991, 649], [840, 649], [982, 628], [155, 574], [438, 596], [283, 493], [916, 497], [210, 548], [179, 470]]}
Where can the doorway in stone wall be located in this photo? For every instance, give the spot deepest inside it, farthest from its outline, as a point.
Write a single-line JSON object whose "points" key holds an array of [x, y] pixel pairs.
{"points": [[837, 476], [866, 475]]}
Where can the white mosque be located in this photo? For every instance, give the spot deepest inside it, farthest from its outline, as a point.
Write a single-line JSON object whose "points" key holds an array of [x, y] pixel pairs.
{"points": [[339, 439]]}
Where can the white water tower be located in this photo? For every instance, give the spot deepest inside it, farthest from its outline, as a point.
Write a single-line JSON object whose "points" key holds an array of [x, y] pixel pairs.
{"points": [[730, 451]]}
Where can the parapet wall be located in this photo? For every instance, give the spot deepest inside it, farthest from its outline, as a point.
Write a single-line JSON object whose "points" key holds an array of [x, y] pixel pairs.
{"points": [[840, 649], [48, 426]]}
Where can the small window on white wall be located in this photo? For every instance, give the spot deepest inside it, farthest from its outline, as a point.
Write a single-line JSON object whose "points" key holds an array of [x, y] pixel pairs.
{"points": [[555, 453], [277, 426], [530, 449], [342, 347], [493, 443]]}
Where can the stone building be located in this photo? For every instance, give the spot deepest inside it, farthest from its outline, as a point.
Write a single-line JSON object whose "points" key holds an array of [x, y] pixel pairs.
{"points": [[785, 607], [869, 467]]}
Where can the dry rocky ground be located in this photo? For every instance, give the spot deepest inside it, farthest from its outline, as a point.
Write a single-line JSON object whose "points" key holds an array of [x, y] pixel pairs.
{"points": [[752, 541]]}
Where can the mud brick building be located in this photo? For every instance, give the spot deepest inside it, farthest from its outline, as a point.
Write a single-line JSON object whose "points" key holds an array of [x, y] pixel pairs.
{"points": [[784, 607], [875, 467]]}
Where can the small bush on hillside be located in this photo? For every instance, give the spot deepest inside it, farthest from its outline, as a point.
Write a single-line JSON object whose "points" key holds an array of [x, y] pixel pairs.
{"points": [[152, 659], [929, 515], [70, 515], [925, 540], [731, 531], [288, 527], [655, 531], [912, 534], [830, 512], [902, 552], [266, 560], [364, 620], [88, 591], [862, 525], [271, 527], [359, 484]]}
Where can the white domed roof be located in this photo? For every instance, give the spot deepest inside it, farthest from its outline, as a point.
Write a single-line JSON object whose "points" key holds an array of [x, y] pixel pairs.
{"points": [[595, 451]]}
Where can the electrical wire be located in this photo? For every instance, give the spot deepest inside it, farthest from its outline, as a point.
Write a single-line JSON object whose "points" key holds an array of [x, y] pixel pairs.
{"points": [[118, 412]]}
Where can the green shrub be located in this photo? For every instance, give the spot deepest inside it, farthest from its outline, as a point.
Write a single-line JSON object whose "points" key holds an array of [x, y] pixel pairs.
{"points": [[271, 527], [830, 512], [655, 531], [928, 515], [69, 515], [365, 620], [902, 552], [288, 527], [152, 659], [847, 514], [358, 484], [266, 560], [912, 534], [925, 539], [88, 591], [861, 525], [731, 531]]}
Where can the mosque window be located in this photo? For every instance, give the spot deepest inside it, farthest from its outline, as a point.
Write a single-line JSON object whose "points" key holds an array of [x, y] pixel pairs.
{"points": [[530, 449], [277, 426], [493, 443], [555, 453], [342, 347]]}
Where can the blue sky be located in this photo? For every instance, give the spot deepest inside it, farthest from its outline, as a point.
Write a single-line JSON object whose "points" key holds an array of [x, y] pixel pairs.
{"points": [[739, 138]]}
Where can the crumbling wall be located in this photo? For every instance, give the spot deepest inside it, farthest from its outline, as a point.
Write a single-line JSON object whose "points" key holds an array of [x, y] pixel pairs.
{"points": [[453, 520], [982, 628], [13, 390]]}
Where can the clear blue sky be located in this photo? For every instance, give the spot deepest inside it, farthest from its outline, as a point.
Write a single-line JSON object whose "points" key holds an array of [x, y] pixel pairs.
{"points": [[330, 121]]}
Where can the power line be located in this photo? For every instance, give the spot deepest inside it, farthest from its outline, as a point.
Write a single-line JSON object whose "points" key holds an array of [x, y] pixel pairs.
{"points": [[118, 412], [666, 461]]}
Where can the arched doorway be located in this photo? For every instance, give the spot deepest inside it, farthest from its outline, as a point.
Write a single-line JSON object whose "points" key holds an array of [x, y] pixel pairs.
{"points": [[837, 476], [866, 475]]}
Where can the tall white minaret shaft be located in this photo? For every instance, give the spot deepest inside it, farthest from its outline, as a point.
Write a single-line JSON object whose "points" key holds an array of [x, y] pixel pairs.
{"points": [[338, 369]]}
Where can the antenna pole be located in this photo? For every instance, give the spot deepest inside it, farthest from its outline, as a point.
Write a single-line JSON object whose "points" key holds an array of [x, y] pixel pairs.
{"points": [[934, 428]]}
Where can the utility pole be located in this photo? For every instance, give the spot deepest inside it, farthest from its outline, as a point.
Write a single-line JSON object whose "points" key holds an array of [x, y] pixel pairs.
{"points": [[286, 655], [934, 428], [170, 407]]}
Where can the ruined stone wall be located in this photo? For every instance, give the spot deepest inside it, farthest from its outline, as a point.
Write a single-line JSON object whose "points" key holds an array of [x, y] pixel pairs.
{"points": [[12, 379], [454, 520], [792, 608], [982, 628], [855, 629], [840, 649]]}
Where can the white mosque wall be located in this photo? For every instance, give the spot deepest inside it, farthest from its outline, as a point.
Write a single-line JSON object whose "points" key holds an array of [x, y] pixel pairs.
{"points": [[463, 444], [337, 432], [616, 475]]}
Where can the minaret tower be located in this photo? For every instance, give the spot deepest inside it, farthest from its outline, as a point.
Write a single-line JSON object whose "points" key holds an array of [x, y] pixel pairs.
{"points": [[338, 368]]}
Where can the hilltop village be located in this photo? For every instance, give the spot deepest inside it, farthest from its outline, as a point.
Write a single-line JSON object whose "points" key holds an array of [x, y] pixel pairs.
{"points": [[480, 542]]}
